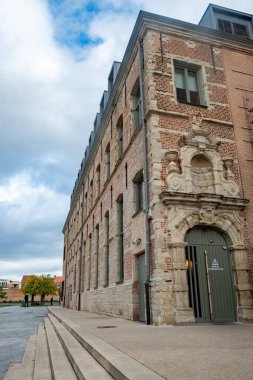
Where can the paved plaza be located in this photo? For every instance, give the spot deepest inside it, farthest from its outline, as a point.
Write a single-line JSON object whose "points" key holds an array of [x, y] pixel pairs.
{"points": [[193, 352], [16, 325]]}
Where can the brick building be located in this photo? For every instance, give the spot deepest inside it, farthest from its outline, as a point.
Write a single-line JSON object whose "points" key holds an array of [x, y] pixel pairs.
{"points": [[160, 224]]}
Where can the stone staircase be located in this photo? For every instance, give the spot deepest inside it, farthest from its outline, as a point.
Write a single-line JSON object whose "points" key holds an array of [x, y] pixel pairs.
{"points": [[64, 350]]}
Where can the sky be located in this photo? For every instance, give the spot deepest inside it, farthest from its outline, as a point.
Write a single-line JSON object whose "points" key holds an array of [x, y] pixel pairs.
{"points": [[55, 57]]}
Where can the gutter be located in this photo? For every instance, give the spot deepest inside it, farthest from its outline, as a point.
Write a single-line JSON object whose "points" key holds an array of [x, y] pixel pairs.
{"points": [[145, 181]]}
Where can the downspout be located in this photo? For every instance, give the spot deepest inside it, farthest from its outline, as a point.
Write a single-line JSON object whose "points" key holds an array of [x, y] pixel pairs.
{"points": [[145, 181], [64, 295], [80, 257]]}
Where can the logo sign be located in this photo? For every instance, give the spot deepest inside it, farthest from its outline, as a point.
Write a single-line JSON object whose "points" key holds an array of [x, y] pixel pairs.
{"points": [[215, 266]]}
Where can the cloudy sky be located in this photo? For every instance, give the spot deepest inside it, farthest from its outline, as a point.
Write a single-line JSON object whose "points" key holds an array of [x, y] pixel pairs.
{"points": [[55, 59]]}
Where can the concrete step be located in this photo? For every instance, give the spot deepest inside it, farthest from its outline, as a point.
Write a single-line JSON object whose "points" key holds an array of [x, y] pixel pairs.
{"points": [[85, 366], [117, 363], [60, 365], [13, 372], [24, 370], [27, 368], [42, 369]]}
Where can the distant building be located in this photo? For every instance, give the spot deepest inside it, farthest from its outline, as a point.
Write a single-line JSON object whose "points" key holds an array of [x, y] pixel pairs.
{"points": [[14, 284], [4, 283], [161, 216], [58, 283], [25, 279]]}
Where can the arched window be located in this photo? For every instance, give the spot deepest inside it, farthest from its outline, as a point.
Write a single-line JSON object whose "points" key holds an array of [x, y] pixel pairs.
{"points": [[136, 99], [138, 191]]}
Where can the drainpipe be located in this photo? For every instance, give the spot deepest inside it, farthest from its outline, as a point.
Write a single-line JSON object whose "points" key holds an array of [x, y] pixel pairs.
{"points": [[64, 295], [145, 181]]}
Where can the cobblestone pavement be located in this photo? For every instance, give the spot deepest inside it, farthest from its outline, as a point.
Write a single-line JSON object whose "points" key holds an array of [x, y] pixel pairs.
{"points": [[16, 325]]}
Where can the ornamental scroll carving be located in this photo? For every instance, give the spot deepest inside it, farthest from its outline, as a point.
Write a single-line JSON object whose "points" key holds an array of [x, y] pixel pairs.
{"points": [[198, 168]]}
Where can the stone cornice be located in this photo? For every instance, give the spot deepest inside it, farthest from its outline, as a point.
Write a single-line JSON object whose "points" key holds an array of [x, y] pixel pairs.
{"points": [[215, 201]]}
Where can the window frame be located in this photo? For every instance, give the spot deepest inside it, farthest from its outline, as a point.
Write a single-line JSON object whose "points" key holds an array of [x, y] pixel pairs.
{"points": [[233, 27], [108, 161], [136, 105], [96, 269], [107, 249], [138, 183], [186, 67], [98, 180], [120, 140], [120, 227]]}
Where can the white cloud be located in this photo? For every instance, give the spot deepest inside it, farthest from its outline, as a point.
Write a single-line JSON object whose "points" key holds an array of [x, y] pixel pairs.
{"points": [[49, 96], [14, 270], [28, 205]]}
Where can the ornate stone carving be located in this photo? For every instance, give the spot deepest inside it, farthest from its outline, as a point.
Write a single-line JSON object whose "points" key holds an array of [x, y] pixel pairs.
{"points": [[207, 215], [195, 118], [228, 163], [172, 157], [202, 169]]}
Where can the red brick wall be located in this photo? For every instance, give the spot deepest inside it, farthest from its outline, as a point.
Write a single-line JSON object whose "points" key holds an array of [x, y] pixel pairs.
{"points": [[239, 75]]}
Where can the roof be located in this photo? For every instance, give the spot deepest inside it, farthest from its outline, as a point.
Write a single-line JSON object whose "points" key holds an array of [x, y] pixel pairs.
{"points": [[224, 10], [26, 278], [58, 279]]}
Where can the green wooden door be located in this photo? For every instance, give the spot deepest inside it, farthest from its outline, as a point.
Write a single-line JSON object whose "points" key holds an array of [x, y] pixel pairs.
{"points": [[141, 281], [211, 290]]}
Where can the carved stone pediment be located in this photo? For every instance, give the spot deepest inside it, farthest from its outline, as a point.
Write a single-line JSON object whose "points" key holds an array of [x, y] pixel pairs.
{"points": [[200, 138]]}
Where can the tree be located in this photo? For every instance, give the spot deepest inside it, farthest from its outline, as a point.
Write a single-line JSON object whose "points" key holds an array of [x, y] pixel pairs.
{"points": [[2, 293], [46, 286], [31, 287], [41, 285]]}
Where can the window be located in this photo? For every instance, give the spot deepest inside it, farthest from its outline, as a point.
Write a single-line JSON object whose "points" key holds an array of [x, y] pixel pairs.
{"points": [[83, 267], [98, 180], [88, 264], [120, 136], [86, 205], [138, 191], [121, 238], [91, 193], [240, 30], [187, 84], [111, 196], [96, 258], [225, 26], [136, 98], [126, 174], [107, 161], [107, 237], [233, 28]]}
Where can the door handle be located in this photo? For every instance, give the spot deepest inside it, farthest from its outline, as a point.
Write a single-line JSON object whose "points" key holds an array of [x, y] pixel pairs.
{"points": [[208, 285]]}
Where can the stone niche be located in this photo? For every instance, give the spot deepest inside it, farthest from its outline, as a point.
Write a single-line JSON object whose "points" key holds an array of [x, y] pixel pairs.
{"points": [[198, 168]]}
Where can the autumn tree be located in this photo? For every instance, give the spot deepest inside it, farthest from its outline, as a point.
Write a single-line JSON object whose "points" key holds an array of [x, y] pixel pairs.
{"points": [[40, 285], [31, 287], [46, 287]]}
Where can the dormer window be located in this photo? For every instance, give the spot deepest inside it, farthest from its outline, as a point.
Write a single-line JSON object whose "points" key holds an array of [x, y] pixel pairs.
{"points": [[233, 28]]}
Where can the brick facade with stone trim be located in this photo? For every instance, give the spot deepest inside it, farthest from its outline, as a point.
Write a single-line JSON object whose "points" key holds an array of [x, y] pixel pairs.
{"points": [[198, 176]]}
